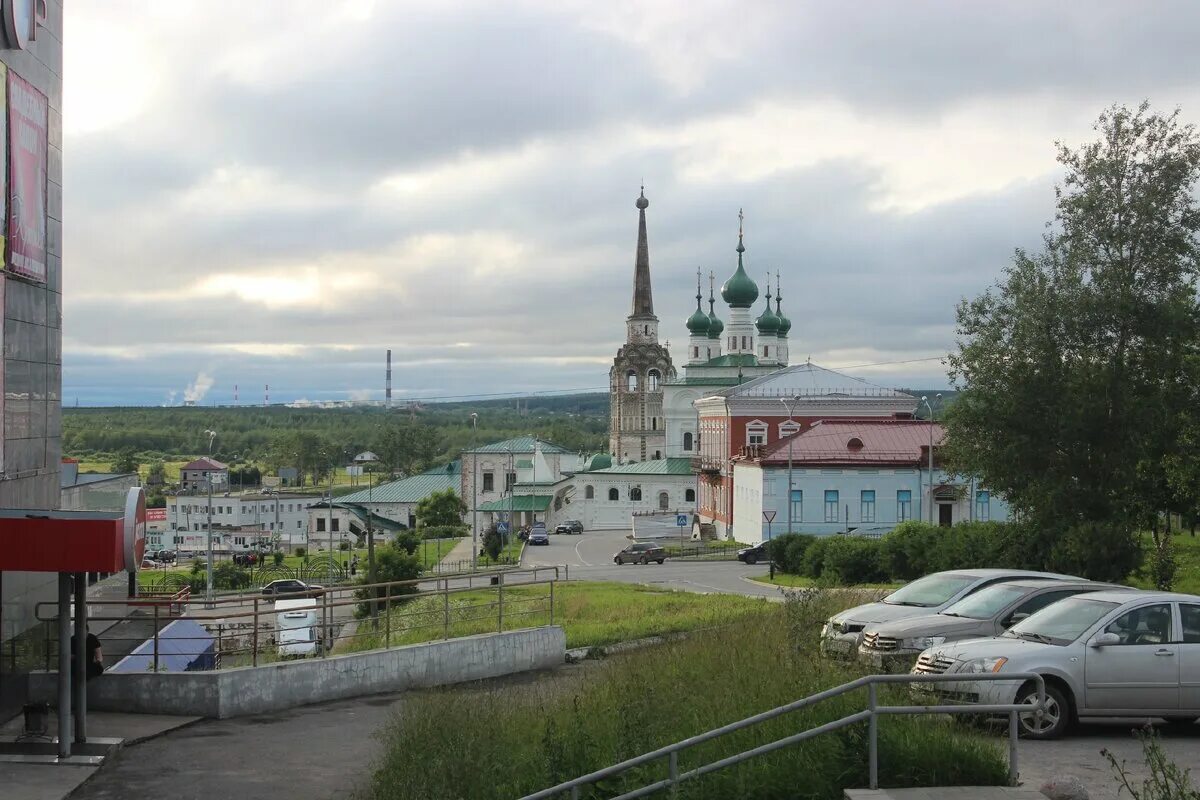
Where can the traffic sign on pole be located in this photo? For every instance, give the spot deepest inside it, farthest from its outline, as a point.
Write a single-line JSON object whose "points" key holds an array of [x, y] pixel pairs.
{"points": [[681, 520], [768, 516]]}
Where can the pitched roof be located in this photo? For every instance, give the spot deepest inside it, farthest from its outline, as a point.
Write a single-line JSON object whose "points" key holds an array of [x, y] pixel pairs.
{"points": [[410, 490], [520, 444], [205, 463], [862, 442], [811, 380], [518, 503], [660, 466]]}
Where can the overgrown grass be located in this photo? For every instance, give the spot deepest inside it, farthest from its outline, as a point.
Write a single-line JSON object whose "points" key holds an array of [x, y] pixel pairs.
{"points": [[785, 580], [1187, 559], [590, 613], [512, 551], [500, 740]]}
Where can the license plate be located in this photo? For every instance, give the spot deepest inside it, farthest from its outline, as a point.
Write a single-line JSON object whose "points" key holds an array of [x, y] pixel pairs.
{"points": [[839, 646]]}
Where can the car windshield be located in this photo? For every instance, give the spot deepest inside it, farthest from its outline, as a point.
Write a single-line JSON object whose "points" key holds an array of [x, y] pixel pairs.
{"points": [[987, 602], [930, 591], [1062, 622]]}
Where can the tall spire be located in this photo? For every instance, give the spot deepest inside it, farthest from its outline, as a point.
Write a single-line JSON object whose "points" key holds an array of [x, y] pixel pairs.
{"points": [[643, 298]]}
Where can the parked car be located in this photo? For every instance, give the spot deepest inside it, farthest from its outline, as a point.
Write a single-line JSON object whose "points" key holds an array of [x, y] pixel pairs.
{"points": [[842, 633], [640, 553], [539, 536], [753, 555], [894, 646], [291, 586], [1103, 654], [569, 526], [296, 627], [165, 556]]}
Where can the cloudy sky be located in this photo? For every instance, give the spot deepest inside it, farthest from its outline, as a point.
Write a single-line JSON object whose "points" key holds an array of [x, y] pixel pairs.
{"points": [[275, 193]]}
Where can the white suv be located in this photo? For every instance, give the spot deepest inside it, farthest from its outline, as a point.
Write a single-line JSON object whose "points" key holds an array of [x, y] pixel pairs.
{"points": [[1104, 654]]}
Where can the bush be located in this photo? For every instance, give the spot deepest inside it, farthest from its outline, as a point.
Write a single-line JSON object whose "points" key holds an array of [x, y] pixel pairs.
{"points": [[787, 551], [852, 559], [1095, 550], [444, 532], [278, 557], [408, 541], [910, 549], [814, 557], [493, 543], [300, 551], [343, 545], [392, 563]]}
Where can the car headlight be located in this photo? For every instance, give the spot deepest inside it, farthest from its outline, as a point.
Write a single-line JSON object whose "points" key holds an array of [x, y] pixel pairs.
{"points": [[826, 628], [921, 642], [983, 665]]}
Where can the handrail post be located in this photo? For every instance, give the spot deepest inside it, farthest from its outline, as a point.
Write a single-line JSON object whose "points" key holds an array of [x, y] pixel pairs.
{"points": [[551, 602], [446, 614], [156, 637], [500, 603], [387, 615], [254, 637], [673, 772], [1012, 748], [873, 737]]}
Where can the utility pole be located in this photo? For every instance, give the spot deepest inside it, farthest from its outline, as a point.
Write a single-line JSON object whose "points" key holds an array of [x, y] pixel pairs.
{"points": [[371, 549], [474, 495], [925, 400], [208, 594], [329, 523], [790, 405]]}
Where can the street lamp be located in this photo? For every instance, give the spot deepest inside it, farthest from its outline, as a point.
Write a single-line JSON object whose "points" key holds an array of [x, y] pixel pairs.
{"points": [[790, 404], [925, 400], [474, 495]]}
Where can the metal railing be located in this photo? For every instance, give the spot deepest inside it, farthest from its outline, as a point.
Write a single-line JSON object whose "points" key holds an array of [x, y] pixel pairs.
{"points": [[246, 629], [871, 716]]}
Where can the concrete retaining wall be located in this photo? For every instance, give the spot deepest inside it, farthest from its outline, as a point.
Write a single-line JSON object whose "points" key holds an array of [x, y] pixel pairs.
{"points": [[273, 687]]}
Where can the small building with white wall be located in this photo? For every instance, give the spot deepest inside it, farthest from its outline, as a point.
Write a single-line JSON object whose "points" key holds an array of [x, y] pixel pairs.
{"points": [[606, 496], [241, 519]]}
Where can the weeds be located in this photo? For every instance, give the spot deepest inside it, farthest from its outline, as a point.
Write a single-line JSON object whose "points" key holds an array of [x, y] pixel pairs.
{"points": [[1166, 782]]}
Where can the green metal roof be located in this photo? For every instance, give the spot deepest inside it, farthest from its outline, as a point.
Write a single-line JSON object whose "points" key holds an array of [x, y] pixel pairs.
{"points": [[521, 444], [661, 466], [411, 490], [518, 503], [524, 463], [706, 381], [733, 360]]}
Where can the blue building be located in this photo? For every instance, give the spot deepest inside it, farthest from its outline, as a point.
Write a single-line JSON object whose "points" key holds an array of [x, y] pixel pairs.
{"points": [[865, 476]]}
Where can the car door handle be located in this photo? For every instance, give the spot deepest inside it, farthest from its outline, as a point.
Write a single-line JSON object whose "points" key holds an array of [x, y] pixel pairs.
{"points": [[1164, 652]]}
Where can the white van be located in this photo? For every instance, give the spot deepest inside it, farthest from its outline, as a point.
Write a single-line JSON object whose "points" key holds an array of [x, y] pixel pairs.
{"points": [[296, 631]]}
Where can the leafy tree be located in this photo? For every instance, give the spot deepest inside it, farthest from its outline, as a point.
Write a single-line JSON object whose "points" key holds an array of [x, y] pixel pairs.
{"points": [[493, 543], [1078, 371], [441, 508], [407, 447], [127, 461], [156, 475]]}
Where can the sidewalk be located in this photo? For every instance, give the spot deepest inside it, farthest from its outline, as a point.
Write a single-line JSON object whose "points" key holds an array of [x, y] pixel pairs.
{"points": [[54, 782]]}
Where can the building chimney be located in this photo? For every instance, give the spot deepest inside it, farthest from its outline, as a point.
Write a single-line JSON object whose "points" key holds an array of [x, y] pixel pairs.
{"points": [[387, 389]]}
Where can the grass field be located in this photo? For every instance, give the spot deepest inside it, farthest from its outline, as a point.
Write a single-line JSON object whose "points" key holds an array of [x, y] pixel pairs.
{"points": [[800, 582], [1187, 559], [591, 613], [527, 735]]}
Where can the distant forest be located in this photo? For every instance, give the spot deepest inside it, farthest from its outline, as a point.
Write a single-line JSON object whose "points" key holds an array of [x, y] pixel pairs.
{"points": [[253, 434]]}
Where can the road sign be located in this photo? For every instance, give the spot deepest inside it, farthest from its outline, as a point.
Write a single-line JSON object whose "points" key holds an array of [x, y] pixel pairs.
{"points": [[769, 516], [681, 520], [501, 527]]}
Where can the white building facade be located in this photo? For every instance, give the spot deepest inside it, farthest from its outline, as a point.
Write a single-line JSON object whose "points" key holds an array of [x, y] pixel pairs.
{"points": [[241, 519]]}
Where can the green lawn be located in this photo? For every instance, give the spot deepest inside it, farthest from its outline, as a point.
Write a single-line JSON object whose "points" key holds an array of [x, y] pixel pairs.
{"points": [[800, 582], [1187, 557], [591, 613], [512, 550]]}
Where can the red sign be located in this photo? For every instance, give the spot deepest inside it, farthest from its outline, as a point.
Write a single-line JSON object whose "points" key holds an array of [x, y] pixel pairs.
{"points": [[156, 515], [135, 529], [28, 132]]}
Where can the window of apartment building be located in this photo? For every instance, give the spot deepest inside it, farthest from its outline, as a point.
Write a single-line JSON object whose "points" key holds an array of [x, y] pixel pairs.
{"points": [[195, 526], [690, 495], [903, 505], [320, 524], [983, 511], [270, 526], [687, 440], [613, 494], [867, 505], [239, 540], [831, 505], [797, 505], [756, 433], [635, 494], [489, 481]]}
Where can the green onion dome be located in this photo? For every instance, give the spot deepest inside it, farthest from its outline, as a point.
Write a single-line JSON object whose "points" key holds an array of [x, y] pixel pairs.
{"points": [[785, 324], [698, 322], [740, 291], [767, 323], [715, 326]]}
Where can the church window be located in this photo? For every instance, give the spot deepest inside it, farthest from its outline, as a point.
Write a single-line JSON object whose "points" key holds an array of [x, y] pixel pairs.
{"points": [[766, 351], [653, 377], [589, 492], [613, 494], [631, 381], [690, 495], [654, 423], [733, 343], [756, 433], [695, 352], [657, 455], [687, 440], [635, 494], [743, 342], [664, 501], [489, 481]]}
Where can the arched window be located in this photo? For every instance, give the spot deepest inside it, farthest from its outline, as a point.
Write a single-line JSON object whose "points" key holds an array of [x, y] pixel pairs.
{"points": [[766, 351], [687, 440], [695, 352], [647, 330], [654, 423], [613, 494], [657, 455], [653, 378], [690, 495], [589, 493], [635, 494], [631, 381], [664, 501]]}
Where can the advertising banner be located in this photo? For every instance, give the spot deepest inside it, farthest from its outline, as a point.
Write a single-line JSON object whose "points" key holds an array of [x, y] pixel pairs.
{"points": [[28, 132]]}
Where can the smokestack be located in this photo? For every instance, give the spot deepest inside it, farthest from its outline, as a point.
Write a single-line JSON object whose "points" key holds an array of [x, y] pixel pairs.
{"points": [[266, 395], [387, 389], [235, 399]]}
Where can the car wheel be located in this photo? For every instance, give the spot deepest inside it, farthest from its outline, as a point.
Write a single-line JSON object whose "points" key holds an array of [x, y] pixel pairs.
{"points": [[642, 561], [751, 559], [661, 560], [1180, 720], [1052, 722]]}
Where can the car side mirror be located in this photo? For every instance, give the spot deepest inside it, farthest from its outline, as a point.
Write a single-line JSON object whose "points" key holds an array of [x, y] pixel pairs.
{"points": [[1015, 618], [1104, 640]]}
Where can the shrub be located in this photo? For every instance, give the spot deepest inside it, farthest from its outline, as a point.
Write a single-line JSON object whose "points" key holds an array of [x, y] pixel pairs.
{"points": [[909, 551], [343, 545], [852, 559], [787, 551], [278, 557], [392, 563], [300, 551], [814, 557], [1095, 550], [493, 543], [444, 531], [408, 541]]}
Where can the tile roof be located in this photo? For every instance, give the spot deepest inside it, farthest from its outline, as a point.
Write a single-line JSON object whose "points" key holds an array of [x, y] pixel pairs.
{"points": [[661, 466], [410, 490], [863, 443], [519, 503], [520, 444], [205, 463]]}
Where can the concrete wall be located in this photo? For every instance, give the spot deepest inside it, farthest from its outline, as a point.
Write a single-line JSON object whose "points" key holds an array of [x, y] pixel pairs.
{"points": [[274, 687]]}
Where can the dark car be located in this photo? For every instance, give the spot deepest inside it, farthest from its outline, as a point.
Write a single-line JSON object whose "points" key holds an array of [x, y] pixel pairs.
{"points": [[165, 556], [753, 555], [537, 535], [291, 586], [569, 526], [640, 553]]}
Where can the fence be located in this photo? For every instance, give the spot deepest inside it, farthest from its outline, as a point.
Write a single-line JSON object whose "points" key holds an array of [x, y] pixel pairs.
{"points": [[174, 632], [704, 551]]}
